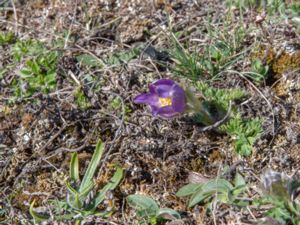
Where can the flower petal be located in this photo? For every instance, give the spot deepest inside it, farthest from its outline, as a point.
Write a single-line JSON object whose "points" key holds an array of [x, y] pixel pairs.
{"points": [[162, 87], [154, 109], [167, 112], [164, 82], [178, 99], [147, 98]]}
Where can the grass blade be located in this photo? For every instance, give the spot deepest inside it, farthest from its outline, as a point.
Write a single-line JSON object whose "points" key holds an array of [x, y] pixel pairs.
{"points": [[111, 185], [88, 176], [74, 167], [36, 216]]}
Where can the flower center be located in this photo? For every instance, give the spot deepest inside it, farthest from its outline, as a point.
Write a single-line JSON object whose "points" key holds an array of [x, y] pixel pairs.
{"points": [[165, 101]]}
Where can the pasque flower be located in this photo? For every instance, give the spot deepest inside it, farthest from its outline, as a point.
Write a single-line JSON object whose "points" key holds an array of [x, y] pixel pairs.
{"points": [[165, 98]]}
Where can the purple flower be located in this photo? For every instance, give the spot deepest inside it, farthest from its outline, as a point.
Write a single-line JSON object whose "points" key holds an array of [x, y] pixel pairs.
{"points": [[165, 97]]}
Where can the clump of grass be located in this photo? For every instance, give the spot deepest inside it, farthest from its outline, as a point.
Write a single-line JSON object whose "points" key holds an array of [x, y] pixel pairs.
{"points": [[7, 38], [187, 64], [82, 199], [225, 48]]}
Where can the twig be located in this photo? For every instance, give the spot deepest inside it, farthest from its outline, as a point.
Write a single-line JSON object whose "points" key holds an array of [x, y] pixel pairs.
{"points": [[250, 212], [35, 193], [71, 25], [15, 15], [123, 211], [51, 139], [67, 150], [72, 75], [92, 54], [58, 170]]}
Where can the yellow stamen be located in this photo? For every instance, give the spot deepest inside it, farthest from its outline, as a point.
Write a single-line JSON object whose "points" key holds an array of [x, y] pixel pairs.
{"points": [[165, 101]]}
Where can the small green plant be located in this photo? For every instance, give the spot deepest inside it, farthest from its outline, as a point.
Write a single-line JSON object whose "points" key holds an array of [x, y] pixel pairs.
{"points": [[271, 6], [225, 49], [293, 14], [148, 210], [37, 75], [218, 56], [80, 99], [259, 71], [281, 193], [29, 48], [244, 133], [82, 200], [221, 96], [7, 38], [116, 103], [187, 64], [123, 57], [217, 190], [37, 72], [242, 4], [89, 61]]}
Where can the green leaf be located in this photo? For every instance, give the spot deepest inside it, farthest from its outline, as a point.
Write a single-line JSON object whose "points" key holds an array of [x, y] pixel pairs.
{"points": [[70, 188], [145, 205], [220, 186], [217, 185], [123, 57], [84, 192], [105, 214], [89, 60], [111, 185], [239, 180], [74, 167], [198, 197], [75, 201], [25, 73], [167, 213], [188, 189], [33, 65], [242, 147], [36, 216], [89, 174], [50, 78]]}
